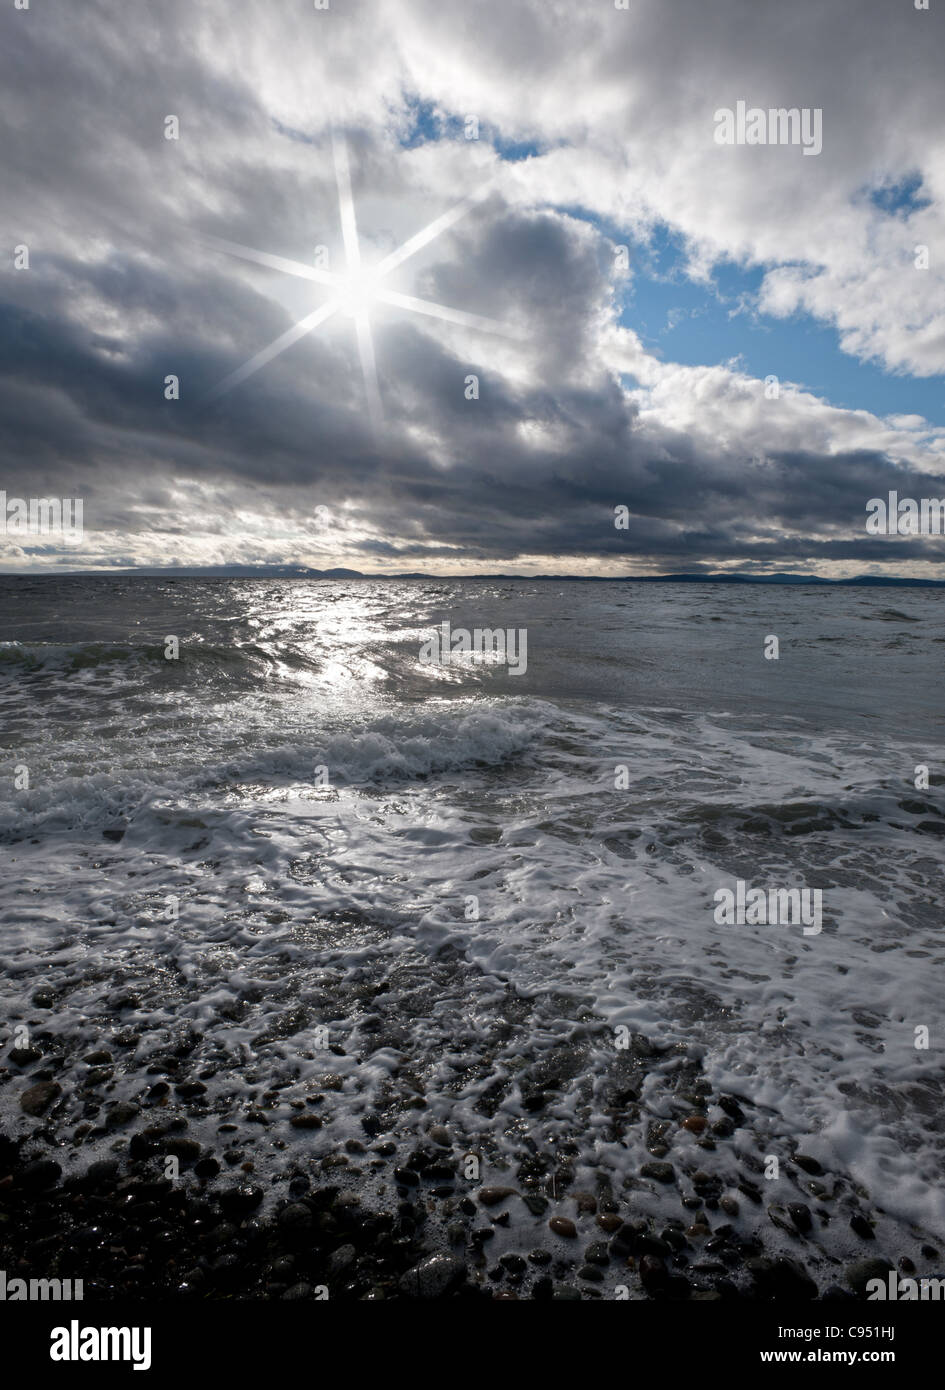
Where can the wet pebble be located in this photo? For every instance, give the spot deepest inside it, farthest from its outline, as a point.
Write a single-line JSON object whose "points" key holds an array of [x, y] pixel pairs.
{"points": [[861, 1227], [659, 1172], [36, 1099], [433, 1276], [492, 1196]]}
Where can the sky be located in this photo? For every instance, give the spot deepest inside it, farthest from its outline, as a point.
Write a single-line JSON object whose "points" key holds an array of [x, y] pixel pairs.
{"points": [[405, 285]]}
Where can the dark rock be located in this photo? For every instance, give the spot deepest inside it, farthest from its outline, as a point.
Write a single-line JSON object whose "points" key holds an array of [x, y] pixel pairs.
{"points": [[515, 1264], [659, 1172], [236, 1201], [800, 1215], [862, 1271], [433, 1277], [536, 1204], [781, 1278], [492, 1196], [39, 1097], [122, 1113], [187, 1150], [297, 1293], [672, 1238], [862, 1227], [102, 1173], [653, 1273], [39, 1174], [341, 1260], [295, 1219], [563, 1226], [190, 1089], [732, 1108]]}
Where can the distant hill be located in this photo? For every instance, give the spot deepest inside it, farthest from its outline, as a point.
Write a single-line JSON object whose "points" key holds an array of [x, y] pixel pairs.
{"points": [[302, 572]]}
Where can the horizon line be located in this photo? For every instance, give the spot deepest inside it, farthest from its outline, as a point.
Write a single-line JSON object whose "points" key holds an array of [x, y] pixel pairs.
{"points": [[237, 571]]}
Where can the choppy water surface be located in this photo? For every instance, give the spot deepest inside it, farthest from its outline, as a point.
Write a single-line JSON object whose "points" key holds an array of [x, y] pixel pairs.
{"points": [[348, 906]]}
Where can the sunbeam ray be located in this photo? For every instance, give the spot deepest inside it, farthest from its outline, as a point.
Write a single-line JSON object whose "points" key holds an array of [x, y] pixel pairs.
{"points": [[288, 267], [369, 368], [280, 344], [441, 311], [433, 230]]}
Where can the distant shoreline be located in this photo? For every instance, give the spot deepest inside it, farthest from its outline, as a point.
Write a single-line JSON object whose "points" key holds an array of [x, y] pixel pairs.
{"points": [[785, 580]]}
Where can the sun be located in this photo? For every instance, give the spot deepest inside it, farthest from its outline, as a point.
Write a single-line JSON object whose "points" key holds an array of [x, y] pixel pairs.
{"points": [[356, 290], [356, 293]]}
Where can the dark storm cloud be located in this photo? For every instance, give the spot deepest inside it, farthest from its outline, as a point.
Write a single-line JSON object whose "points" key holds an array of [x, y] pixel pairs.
{"points": [[123, 290]]}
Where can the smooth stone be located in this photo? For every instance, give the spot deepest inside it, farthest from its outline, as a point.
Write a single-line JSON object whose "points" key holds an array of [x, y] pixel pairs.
{"points": [[862, 1227], [514, 1263], [492, 1196], [39, 1097], [43, 1173], [296, 1218], [800, 1215], [434, 1276], [652, 1272], [862, 1271], [341, 1259], [781, 1278], [659, 1172]]}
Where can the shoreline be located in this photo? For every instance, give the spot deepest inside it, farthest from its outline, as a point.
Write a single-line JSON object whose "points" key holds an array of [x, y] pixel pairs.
{"points": [[397, 1217]]}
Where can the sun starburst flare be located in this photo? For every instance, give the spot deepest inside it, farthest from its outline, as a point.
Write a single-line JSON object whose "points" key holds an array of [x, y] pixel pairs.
{"points": [[355, 291]]}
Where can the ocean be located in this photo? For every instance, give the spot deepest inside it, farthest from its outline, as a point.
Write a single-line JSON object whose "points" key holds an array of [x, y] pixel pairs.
{"points": [[294, 872]]}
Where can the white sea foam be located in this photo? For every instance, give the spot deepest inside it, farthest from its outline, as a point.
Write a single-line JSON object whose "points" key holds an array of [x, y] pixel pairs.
{"points": [[348, 906]]}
